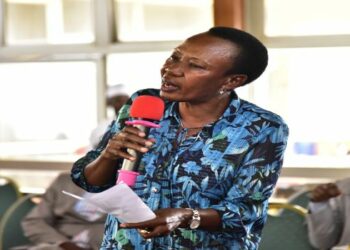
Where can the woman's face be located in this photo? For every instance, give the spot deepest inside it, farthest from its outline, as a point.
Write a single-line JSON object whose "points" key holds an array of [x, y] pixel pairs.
{"points": [[197, 68]]}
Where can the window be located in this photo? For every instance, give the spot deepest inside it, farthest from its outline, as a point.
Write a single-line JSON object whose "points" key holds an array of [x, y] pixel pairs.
{"points": [[302, 86], [159, 20], [308, 41], [306, 78], [41, 84], [52, 95], [52, 107], [136, 70], [306, 18], [48, 21]]}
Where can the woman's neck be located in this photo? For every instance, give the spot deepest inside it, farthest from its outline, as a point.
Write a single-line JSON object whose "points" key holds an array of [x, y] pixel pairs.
{"points": [[199, 115]]}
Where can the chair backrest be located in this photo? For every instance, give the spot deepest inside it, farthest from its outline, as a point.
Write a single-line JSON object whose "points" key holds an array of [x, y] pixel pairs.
{"points": [[11, 233], [300, 198], [285, 231], [9, 193]]}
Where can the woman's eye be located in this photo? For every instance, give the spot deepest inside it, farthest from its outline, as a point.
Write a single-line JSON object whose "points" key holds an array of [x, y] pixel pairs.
{"points": [[196, 66], [173, 58]]}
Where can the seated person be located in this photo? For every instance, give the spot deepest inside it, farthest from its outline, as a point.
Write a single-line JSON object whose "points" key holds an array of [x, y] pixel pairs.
{"points": [[62, 222], [329, 218]]}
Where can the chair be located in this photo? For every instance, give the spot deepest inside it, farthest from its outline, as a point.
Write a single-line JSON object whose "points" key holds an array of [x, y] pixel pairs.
{"points": [[285, 231], [11, 233], [300, 198], [9, 193]]}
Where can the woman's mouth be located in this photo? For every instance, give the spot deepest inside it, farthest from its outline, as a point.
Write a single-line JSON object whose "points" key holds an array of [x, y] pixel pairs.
{"points": [[168, 86]]}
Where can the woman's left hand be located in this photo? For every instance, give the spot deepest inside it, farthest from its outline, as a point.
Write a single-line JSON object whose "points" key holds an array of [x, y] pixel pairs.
{"points": [[167, 220]]}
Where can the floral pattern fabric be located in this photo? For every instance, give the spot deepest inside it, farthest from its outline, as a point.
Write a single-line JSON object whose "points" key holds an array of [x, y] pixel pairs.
{"points": [[231, 165]]}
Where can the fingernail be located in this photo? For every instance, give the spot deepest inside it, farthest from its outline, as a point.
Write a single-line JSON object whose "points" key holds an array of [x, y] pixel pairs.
{"points": [[149, 143], [122, 225], [132, 158], [144, 149], [142, 134]]}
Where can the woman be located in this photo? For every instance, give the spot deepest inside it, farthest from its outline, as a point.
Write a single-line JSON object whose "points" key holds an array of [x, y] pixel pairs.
{"points": [[209, 170]]}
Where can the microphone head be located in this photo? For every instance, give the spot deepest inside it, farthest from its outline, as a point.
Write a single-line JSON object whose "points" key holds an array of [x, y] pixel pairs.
{"points": [[147, 107]]}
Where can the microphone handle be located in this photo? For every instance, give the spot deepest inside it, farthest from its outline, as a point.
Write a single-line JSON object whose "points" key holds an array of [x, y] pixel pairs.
{"points": [[134, 165]]}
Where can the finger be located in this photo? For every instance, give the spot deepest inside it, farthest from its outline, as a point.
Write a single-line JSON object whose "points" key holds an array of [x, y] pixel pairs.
{"points": [[143, 232], [124, 141], [110, 153], [142, 225], [324, 192], [159, 231], [132, 138], [134, 130], [325, 187], [138, 225], [137, 132], [317, 194], [321, 189], [153, 140], [334, 191], [154, 223], [321, 193], [122, 154], [330, 190], [115, 151]]}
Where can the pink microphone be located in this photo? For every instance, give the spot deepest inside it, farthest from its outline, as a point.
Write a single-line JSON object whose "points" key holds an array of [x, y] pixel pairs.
{"points": [[145, 110]]}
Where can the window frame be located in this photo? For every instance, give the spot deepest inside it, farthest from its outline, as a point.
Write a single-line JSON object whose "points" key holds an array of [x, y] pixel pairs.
{"points": [[254, 23], [106, 43], [2, 24]]}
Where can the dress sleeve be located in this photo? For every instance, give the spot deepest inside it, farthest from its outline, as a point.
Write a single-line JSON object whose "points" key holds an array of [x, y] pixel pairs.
{"points": [[243, 210], [324, 224]]}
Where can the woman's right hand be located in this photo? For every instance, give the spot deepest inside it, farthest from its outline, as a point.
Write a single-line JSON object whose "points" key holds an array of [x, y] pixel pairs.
{"points": [[324, 192], [128, 138], [101, 171]]}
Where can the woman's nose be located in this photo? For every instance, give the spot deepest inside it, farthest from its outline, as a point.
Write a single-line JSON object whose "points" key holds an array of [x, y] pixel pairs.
{"points": [[173, 70]]}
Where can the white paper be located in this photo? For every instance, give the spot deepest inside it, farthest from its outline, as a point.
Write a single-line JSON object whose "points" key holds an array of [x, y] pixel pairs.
{"points": [[120, 201]]}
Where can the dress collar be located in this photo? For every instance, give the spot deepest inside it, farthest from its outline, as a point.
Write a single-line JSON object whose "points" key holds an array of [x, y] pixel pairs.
{"points": [[172, 109]]}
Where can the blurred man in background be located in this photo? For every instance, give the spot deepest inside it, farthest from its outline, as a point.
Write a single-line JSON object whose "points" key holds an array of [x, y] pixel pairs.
{"points": [[116, 96], [329, 218], [61, 222]]}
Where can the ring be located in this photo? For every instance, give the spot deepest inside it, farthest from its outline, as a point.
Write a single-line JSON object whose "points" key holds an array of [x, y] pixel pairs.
{"points": [[144, 231]]}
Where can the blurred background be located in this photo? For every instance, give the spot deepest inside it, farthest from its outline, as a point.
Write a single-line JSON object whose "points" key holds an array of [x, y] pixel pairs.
{"points": [[58, 57]]}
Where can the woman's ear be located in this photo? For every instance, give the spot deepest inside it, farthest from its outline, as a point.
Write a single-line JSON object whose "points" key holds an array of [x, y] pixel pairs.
{"points": [[235, 81]]}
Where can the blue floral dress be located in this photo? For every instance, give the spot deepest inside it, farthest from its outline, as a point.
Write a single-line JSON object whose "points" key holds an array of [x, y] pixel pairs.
{"points": [[231, 166]]}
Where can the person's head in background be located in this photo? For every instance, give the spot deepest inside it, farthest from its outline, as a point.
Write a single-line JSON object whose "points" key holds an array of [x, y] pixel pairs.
{"points": [[116, 96], [218, 60]]}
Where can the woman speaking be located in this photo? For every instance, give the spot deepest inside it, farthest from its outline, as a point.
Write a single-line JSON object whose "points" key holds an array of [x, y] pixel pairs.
{"points": [[209, 170]]}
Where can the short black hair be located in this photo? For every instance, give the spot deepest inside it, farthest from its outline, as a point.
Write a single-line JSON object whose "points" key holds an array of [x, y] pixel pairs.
{"points": [[252, 58]]}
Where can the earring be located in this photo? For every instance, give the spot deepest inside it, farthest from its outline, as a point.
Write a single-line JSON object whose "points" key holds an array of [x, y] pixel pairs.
{"points": [[221, 92]]}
